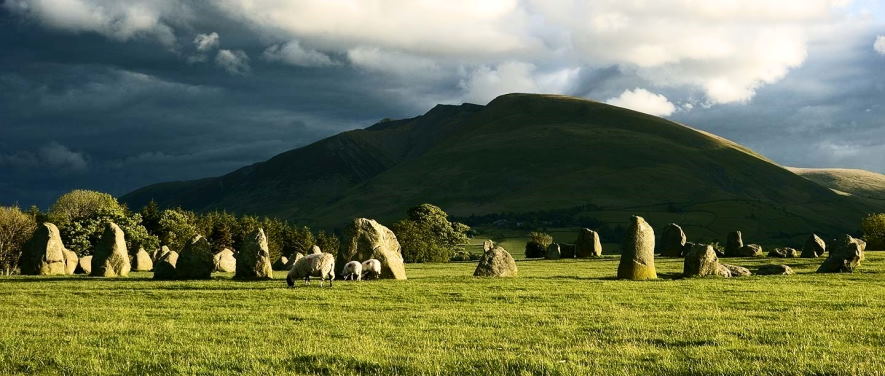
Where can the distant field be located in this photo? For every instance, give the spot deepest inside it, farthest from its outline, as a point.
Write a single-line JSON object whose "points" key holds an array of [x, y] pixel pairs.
{"points": [[558, 318]]}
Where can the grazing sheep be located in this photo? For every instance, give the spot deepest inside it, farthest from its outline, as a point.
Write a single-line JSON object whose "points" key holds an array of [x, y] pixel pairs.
{"points": [[371, 269], [320, 265], [353, 270]]}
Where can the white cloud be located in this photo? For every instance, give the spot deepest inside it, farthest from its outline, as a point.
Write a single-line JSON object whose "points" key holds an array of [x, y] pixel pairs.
{"points": [[234, 62], [643, 101], [485, 83], [398, 63], [293, 53], [879, 45], [206, 42]]}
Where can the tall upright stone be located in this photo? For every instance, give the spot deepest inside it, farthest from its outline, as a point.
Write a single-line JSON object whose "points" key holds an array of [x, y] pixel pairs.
{"points": [[814, 247], [111, 259], [672, 241], [196, 260], [553, 252], [845, 256], [733, 244], [368, 239], [71, 261], [588, 244], [638, 252], [141, 261], [253, 257], [43, 253]]}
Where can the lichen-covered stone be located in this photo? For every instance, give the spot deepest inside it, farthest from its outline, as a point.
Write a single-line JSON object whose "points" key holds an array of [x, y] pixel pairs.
{"points": [[43, 253], [750, 250], [164, 268], [196, 260], [111, 258], [814, 247], [496, 263], [845, 256], [737, 271], [672, 241], [224, 261], [84, 265], [253, 257], [553, 252], [141, 261], [588, 244], [702, 261], [71, 261], [638, 252], [368, 239]]}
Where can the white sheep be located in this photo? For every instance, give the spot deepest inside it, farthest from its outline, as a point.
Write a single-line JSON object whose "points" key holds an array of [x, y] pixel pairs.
{"points": [[320, 265], [353, 270], [371, 269]]}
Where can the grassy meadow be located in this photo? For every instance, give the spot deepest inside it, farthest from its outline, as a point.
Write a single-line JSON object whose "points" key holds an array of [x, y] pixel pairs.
{"points": [[561, 317]]}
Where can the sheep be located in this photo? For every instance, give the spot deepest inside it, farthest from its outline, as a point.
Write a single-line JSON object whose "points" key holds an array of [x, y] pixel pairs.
{"points": [[371, 269], [320, 265], [353, 270]]}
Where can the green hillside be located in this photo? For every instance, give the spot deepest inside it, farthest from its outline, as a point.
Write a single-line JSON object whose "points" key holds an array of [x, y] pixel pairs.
{"points": [[864, 185], [524, 158]]}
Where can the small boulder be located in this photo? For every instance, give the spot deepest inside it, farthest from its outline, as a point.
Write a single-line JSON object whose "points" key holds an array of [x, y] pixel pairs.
{"points": [[157, 254], [111, 258], [588, 244], [733, 244], [368, 239], [71, 261], [196, 260], [253, 257], [164, 268], [638, 252], [84, 265], [814, 247], [702, 261], [488, 245], [845, 256], [282, 263], [553, 252], [141, 261], [672, 242], [751, 250], [496, 262], [737, 271], [566, 250], [785, 252], [43, 253], [774, 270], [224, 261]]}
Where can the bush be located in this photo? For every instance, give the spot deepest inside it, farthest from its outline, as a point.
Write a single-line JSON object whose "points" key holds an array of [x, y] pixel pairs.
{"points": [[177, 228], [16, 228], [81, 215], [465, 256], [428, 236], [537, 245], [874, 231]]}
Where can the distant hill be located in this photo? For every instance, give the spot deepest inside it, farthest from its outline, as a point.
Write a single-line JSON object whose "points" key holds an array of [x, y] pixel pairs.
{"points": [[865, 185], [541, 159]]}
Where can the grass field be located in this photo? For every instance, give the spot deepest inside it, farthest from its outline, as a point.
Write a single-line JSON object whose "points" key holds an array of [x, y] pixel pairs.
{"points": [[562, 317]]}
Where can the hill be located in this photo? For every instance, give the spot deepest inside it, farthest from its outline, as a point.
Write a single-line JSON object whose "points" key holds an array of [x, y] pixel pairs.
{"points": [[865, 185], [538, 159]]}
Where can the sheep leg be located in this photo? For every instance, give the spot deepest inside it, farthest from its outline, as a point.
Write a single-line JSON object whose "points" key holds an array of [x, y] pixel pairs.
{"points": [[290, 282], [330, 281]]}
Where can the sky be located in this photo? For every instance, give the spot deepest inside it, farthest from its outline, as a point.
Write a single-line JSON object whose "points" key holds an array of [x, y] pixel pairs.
{"points": [[113, 95]]}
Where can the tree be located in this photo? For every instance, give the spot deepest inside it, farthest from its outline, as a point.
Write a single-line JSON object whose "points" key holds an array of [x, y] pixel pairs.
{"points": [[150, 218], [874, 231], [537, 244], [177, 227], [16, 228], [82, 204], [328, 242], [426, 235], [80, 216]]}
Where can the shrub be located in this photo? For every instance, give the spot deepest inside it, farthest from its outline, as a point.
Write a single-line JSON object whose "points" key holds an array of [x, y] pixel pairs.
{"points": [[426, 235], [80, 216], [177, 227], [16, 228], [465, 256], [537, 245], [874, 231], [328, 242]]}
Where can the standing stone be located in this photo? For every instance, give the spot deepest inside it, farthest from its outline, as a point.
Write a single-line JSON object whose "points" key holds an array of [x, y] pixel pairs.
{"points": [[638, 252], [224, 261], [566, 250], [688, 246], [737, 271], [702, 261], [315, 250], [158, 254], [785, 252], [488, 245], [845, 256], [733, 244], [588, 244], [814, 247], [196, 260], [292, 260], [368, 239], [111, 259], [165, 266], [672, 241], [751, 250], [282, 263], [253, 257], [84, 265], [71, 261], [44, 253], [774, 270], [141, 261], [553, 252], [496, 263]]}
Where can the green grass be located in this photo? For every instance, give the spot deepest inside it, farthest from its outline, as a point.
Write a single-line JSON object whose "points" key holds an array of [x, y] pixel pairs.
{"points": [[558, 317]]}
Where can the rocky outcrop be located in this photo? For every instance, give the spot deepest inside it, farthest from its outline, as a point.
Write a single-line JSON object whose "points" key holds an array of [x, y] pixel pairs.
{"points": [[638, 252]]}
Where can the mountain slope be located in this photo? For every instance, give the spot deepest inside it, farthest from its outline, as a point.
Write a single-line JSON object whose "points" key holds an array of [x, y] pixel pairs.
{"points": [[865, 185], [591, 162]]}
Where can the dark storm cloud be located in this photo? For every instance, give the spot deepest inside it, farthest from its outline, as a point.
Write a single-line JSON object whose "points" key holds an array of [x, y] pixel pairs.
{"points": [[112, 96]]}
